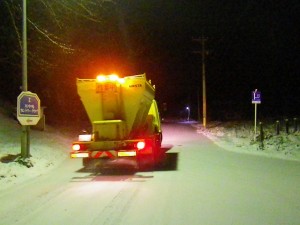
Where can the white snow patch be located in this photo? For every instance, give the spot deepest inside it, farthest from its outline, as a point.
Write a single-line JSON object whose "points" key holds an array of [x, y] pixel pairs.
{"points": [[47, 149], [238, 136]]}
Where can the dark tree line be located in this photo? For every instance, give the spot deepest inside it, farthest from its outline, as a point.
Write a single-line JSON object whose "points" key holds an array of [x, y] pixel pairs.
{"points": [[250, 43], [68, 39]]}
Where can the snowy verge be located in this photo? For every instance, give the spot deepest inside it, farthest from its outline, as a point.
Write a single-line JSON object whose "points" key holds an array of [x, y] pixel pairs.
{"points": [[238, 136], [48, 149]]}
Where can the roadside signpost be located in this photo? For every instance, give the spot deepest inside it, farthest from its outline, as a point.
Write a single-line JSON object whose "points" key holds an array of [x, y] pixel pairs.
{"points": [[28, 113], [28, 108], [25, 128], [256, 99]]}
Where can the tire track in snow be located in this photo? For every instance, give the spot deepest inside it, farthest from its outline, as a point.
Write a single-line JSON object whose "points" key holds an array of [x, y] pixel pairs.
{"points": [[114, 212]]}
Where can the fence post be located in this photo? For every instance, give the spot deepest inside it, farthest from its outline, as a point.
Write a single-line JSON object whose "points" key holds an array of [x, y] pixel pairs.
{"points": [[295, 124], [261, 135], [287, 126], [277, 127]]}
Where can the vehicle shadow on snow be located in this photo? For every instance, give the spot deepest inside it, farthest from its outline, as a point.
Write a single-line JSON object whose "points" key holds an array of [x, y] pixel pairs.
{"points": [[124, 174], [170, 161]]}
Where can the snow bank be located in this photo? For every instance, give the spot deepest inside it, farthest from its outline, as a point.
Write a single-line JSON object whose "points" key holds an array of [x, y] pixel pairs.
{"points": [[238, 136], [47, 149]]}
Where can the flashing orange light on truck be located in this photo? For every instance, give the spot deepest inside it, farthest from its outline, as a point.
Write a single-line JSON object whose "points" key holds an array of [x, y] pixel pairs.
{"points": [[110, 78], [101, 78]]}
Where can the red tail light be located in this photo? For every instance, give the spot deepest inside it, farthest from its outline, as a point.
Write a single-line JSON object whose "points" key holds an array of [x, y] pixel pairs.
{"points": [[79, 147], [140, 145]]}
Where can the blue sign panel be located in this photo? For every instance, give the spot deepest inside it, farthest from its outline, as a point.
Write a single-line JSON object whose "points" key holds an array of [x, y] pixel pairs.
{"points": [[28, 108], [256, 97], [29, 105]]}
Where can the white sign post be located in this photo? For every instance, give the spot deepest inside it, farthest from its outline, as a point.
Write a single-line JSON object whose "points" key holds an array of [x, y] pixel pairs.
{"points": [[256, 99], [28, 108], [28, 113]]}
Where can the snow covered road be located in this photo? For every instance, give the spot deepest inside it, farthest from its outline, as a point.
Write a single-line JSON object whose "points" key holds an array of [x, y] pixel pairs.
{"points": [[200, 184]]}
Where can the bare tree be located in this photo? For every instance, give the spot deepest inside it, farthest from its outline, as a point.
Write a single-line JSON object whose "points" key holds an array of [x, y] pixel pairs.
{"points": [[51, 24]]}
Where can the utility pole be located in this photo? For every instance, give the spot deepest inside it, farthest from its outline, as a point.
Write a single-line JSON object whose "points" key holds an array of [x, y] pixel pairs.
{"points": [[202, 40], [25, 141]]}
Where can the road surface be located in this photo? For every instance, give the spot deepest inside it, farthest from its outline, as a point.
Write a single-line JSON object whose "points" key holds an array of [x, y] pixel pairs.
{"points": [[201, 183]]}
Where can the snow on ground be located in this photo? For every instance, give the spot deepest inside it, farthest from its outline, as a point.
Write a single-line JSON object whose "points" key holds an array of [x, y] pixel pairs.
{"points": [[50, 148], [238, 136]]}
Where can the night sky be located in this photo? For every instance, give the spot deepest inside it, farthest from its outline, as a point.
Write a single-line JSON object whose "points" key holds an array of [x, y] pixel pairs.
{"points": [[250, 45]]}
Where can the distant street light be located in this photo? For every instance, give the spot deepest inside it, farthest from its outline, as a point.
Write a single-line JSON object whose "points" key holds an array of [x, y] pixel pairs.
{"points": [[189, 111]]}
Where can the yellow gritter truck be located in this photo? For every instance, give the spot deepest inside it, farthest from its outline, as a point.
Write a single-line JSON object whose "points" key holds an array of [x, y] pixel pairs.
{"points": [[126, 128]]}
